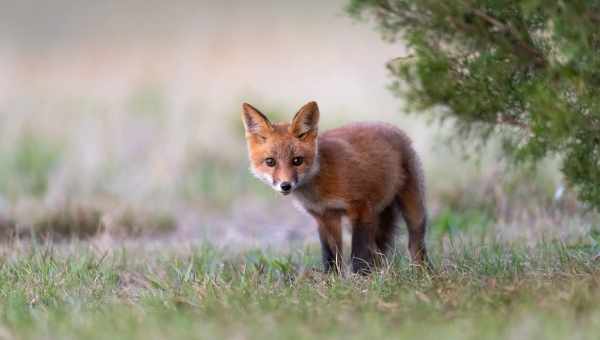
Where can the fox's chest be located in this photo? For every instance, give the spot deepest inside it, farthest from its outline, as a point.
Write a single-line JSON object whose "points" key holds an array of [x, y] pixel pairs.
{"points": [[312, 202]]}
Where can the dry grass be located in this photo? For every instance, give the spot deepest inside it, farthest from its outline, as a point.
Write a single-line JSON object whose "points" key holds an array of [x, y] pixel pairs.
{"points": [[7, 229], [85, 221]]}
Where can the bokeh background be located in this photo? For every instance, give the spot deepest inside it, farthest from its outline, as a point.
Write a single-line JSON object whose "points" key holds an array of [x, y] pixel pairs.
{"points": [[121, 120]]}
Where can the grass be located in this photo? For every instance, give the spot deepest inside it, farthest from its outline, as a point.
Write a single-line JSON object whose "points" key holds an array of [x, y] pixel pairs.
{"points": [[492, 291]]}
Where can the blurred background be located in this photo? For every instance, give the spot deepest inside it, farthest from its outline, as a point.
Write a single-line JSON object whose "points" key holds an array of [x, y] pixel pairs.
{"points": [[121, 119]]}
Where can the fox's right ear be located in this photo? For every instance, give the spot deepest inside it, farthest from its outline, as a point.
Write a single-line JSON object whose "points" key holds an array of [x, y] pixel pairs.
{"points": [[255, 122]]}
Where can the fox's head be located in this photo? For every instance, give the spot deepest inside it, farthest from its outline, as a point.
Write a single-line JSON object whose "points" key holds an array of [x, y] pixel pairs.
{"points": [[283, 155]]}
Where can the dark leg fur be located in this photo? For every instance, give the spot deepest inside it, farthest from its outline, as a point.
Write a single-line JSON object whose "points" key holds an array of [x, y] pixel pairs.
{"points": [[384, 238], [362, 256]]}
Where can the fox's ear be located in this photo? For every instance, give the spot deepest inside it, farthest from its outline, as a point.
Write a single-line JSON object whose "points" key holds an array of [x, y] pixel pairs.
{"points": [[254, 121], [306, 120]]}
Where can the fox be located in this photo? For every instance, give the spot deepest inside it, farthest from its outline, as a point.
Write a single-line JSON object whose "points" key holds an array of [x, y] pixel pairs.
{"points": [[367, 172]]}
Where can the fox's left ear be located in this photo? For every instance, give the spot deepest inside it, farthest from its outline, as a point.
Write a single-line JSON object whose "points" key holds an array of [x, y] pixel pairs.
{"points": [[306, 120]]}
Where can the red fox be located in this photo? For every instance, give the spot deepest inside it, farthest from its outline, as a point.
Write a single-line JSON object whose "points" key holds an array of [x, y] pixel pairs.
{"points": [[367, 172]]}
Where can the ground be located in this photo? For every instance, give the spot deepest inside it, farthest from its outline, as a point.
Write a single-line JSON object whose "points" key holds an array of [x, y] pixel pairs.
{"points": [[134, 291]]}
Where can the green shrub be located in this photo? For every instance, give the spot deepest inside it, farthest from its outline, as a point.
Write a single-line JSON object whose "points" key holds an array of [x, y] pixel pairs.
{"points": [[527, 71]]}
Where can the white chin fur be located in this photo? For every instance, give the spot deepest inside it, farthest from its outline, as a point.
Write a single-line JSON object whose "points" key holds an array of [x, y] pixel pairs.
{"points": [[265, 178]]}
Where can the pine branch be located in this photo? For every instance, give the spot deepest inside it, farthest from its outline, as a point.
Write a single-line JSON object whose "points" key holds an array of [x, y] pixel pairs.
{"points": [[524, 46]]}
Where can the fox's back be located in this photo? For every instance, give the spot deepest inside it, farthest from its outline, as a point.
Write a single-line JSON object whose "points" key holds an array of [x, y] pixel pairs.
{"points": [[358, 162], [368, 136]]}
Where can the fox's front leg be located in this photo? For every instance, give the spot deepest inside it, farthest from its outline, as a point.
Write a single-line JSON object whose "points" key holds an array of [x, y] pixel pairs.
{"points": [[330, 233]]}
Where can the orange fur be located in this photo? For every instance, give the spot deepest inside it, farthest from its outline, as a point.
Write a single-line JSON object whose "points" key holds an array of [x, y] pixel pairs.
{"points": [[365, 171]]}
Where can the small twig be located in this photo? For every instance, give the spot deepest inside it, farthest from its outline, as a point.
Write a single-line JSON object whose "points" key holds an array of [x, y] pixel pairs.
{"points": [[508, 120]]}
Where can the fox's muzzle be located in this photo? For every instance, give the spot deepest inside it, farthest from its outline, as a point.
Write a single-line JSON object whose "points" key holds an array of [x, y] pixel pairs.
{"points": [[286, 187]]}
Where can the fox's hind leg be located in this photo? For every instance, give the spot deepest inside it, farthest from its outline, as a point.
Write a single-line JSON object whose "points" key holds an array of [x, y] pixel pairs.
{"points": [[362, 252], [384, 237], [414, 212], [364, 226]]}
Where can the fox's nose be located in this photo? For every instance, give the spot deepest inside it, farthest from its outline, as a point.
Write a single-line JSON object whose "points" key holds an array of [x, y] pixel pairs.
{"points": [[286, 186]]}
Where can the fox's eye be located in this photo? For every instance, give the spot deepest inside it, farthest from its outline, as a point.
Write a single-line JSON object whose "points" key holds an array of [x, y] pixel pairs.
{"points": [[297, 161], [270, 162]]}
